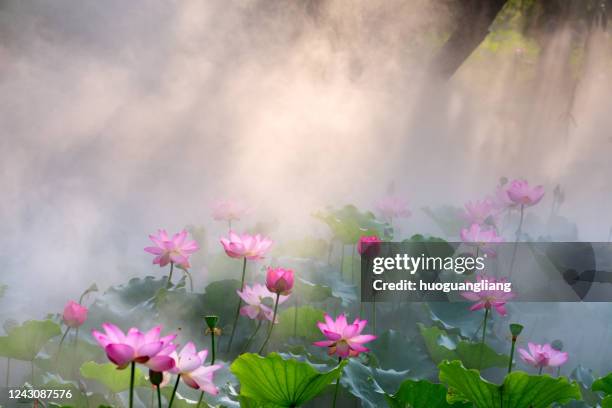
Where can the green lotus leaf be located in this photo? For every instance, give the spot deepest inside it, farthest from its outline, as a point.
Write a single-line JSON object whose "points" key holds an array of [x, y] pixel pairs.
{"points": [[275, 381], [112, 378], [442, 347], [25, 341], [300, 322], [421, 394], [519, 390]]}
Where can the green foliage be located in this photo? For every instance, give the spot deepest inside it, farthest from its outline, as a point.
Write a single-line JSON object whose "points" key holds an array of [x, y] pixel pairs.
{"points": [[70, 358], [473, 355], [519, 389], [369, 383], [112, 378], [179, 400], [274, 381], [348, 224], [78, 397], [220, 299], [584, 378], [25, 341], [421, 394], [417, 362], [306, 327], [455, 318], [308, 292], [604, 384]]}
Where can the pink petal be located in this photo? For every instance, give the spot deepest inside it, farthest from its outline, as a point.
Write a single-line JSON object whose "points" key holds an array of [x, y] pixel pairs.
{"points": [[102, 339], [501, 309], [114, 334], [160, 363], [341, 322], [332, 335], [474, 297], [534, 349], [190, 381], [360, 349], [527, 357], [477, 306], [322, 327], [152, 335], [329, 321], [350, 331], [363, 338], [154, 250], [324, 343], [558, 359], [189, 363], [149, 349], [120, 354]]}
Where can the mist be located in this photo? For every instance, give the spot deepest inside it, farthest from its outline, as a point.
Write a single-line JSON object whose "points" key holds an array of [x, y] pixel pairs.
{"points": [[120, 118]]}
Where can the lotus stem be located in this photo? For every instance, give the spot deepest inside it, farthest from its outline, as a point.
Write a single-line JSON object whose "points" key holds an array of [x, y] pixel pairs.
{"points": [[484, 335], [337, 385], [190, 279], [158, 396], [374, 313], [540, 370], [519, 231], [59, 347], [176, 384], [250, 340], [200, 399], [263, 346], [132, 373], [352, 263], [229, 344], [342, 246], [169, 282], [511, 354], [8, 370], [295, 317]]}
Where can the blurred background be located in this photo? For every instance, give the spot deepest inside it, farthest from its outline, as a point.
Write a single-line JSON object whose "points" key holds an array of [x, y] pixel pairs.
{"points": [[119, 118]]}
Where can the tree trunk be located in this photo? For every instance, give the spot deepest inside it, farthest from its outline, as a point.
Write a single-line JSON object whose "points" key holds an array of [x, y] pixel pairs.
{"points": [[474, 20]]}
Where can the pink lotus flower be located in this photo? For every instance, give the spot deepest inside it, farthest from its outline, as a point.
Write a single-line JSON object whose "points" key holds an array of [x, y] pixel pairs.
{"points": [[500, 200], [247, 246], [370, 246], [521, 194], [343, 339], [145, 348], [177, 249], [228, 210], [189, 363], [480, 235], [391, 207], [541, 356], [254, 298], [74, 314], [487, 299], [279, 280], [480, 212]]}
